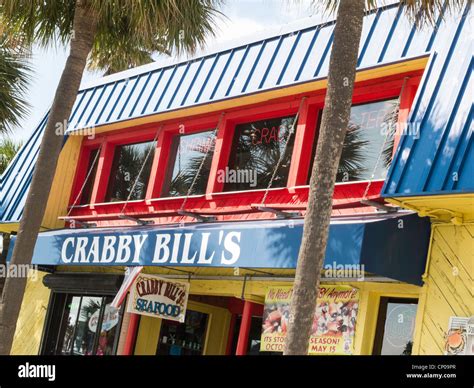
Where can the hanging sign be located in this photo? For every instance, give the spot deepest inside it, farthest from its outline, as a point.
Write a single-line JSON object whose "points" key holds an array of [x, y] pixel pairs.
{"points": [[459, 339], [109, 319], [333, 325], [159, 297]]}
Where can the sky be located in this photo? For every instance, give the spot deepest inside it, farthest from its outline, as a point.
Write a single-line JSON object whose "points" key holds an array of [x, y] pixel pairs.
{"points": [[243, 18]]}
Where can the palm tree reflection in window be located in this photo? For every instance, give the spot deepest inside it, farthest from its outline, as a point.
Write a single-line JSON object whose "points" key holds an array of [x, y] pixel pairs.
{"points": [[189, 151], [257, 148], [371, 131], [128, 161]]}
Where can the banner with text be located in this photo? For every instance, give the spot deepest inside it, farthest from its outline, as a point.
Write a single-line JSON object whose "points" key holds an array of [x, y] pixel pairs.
{"points": [[333, 325], [159, 297]]}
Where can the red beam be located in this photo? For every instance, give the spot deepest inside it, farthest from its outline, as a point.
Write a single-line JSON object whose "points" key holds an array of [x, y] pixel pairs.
{"points": [[131, 335], [244, 329]]}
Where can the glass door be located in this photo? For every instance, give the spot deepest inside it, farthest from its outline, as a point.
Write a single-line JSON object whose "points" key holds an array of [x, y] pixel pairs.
{"points": [[395, 326], [83, 325]]}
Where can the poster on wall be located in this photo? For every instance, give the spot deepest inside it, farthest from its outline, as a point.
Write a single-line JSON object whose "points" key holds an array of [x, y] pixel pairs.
{"points": [[459, 339], [333, 325], [159, 297]]}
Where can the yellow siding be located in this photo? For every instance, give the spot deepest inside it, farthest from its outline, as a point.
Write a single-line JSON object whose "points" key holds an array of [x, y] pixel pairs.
{"points": [[448, 289], [370, 294], [444, 208], [29, 326], [148, 334], [62, 184]]}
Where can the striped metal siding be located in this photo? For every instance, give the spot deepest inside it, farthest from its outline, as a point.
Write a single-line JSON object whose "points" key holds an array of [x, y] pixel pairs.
{"points": [[288, 59], [440, 158]]}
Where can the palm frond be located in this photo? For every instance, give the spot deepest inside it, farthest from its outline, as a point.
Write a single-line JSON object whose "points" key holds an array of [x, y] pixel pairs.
{"points": [[8, 149], [14, 77], [420, 12], [128, 31]]}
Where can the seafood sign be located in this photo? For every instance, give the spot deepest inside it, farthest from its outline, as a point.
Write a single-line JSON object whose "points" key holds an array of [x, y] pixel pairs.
{"points": [[158, 297], [333, 325]]}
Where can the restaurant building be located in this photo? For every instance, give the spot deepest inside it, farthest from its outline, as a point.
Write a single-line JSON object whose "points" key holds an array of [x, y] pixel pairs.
{"points": [[197, 172]]}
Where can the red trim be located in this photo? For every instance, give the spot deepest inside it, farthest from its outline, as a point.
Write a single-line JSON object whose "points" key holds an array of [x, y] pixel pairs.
{"points": [[81, 173], [302, 150], [132, 331], [104, 166], [244, 329], [231, 206], [406, 100], [228, 206], [160, 159]]}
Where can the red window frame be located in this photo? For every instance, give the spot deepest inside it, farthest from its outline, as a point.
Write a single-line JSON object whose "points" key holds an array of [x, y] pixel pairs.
{"points": [[403, 85]]}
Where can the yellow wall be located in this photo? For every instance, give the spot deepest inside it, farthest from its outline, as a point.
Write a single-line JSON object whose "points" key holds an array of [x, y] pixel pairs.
{"points": [[35, 300], [370, 294], [216, 333], [29, 326], [448, 289]]}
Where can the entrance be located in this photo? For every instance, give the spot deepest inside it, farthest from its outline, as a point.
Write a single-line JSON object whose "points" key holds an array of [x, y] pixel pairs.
{"points": [[185, 338]]}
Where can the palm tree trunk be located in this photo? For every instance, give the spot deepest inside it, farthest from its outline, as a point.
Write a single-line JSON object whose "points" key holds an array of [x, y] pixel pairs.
{"points": [[84, 28], [336, 114], [3, 255]]}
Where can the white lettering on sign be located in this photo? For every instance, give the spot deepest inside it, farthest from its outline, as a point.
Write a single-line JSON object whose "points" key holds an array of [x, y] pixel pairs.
{"points": [[64, 258], [166, 248], [162, 241], [233, 247]]}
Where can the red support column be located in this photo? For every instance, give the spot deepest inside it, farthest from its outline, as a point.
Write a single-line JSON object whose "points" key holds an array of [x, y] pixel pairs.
{"points": [[131, 335], [244, 329]]}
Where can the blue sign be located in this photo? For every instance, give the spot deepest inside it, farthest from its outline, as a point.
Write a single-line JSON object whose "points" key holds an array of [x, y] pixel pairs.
{"points": [[252, 244]]}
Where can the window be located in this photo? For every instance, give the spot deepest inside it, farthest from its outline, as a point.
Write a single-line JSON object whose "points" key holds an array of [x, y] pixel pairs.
{"points": [[83, 325], [187, 154], [366, 139], [395, 326], [90, 177], [256, 149], [185, 338], [128, 161]]}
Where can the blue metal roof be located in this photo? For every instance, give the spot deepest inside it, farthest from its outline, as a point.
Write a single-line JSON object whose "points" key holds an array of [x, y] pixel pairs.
{"points": [[291, 58], [15, 181], [440, 159]]}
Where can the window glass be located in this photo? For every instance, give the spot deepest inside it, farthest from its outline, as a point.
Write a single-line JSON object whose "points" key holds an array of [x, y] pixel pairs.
{"points": [[71, 313], [108, 329], [128, 161], [187, 338], [256, 149], [396, 327], [187, 153], [91, 171], [366, 139], [88, 326]]}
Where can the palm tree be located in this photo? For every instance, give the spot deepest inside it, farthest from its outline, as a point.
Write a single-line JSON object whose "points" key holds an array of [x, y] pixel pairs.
{"points": [[86, 25], [14, 77], [8, 150], [335, 120]]}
